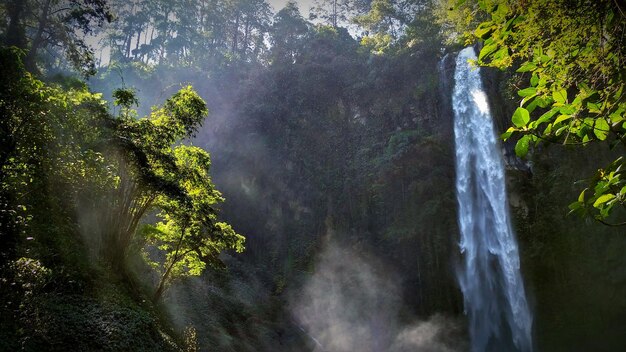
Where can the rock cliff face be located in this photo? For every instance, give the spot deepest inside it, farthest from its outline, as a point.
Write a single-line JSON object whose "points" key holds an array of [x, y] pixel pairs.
{"points": [[446, 84], [502, 105]]}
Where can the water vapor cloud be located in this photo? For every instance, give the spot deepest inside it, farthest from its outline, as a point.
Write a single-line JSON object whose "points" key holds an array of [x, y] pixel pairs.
{"points": [[352, 303]]}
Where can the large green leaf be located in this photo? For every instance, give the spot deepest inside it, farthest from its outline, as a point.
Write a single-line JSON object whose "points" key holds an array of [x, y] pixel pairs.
{"points": [[603, 199], [529, 66], [601, 129], [487, 50], [521, 148], [534, 79], [546, 116], [562, 118], [527, 92], [560, 96], [520, 117], [483, 31], [507, 134]]}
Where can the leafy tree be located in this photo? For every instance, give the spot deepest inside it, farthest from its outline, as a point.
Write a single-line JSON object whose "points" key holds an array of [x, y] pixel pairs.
{"points": [[458, 19], [130, 20], [571, 54], [156, 174], [185, 33], [189, 234], [55, 25], [288, 34], [44, 132], [408, 23], [61, 151], [337, 12], [381, 17], [249, 20], [380, 24]]}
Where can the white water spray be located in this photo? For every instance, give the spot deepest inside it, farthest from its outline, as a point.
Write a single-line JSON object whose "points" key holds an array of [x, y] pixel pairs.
{"points": [[493, 290]]}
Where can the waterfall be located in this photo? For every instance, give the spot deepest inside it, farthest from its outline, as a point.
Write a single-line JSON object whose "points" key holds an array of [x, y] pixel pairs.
{"points": [[490, 278]]}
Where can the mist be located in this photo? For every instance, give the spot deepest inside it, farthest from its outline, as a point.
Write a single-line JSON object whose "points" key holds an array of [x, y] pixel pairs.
{"points": [[352, 303]]}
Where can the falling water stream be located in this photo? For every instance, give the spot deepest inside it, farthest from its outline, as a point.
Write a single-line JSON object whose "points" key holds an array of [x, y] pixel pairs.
{"points": [[490, 278]]}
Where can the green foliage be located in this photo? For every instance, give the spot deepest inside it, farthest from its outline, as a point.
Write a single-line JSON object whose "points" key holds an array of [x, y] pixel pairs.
{"points": [[289, 32], [62, 322], [520, 117], [380, 17], [180, 33], [401, 143], [186, 111], [125, 97], [64, 157], [377, 43], [56, 27], [157, 174], [335, 13], [458, 19], [51, 307], [397, 25], [572, 54], [30, 275], [189, 235], [45, 137]]}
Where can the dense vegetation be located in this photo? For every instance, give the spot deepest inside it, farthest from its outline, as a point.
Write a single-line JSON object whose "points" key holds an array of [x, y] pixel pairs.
{"points": [[331, 142], [576, 82]]}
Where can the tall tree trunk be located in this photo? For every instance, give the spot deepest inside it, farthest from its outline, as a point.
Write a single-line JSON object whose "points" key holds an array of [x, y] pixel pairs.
{"points": [[334, 17], [246, 35], [15, 31], [149, 54], [235, 34], [138, 42], [31, 57], [161, 287], [166, 36], [127, 42], [131, 33], [202, 13]]}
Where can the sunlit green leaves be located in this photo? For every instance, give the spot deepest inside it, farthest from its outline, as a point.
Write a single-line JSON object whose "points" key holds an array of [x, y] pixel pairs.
{"points": [[521, 117], [562, 118], [186, 111], [547, 116], [529, 66], [521, 147], [488, 49], [125, 97], [527, 92], [601, 129], [560, 96], [178, 178], [484, 30], [575, 85], [603, 199], [173, 179], [506, 135], [47, 137], [609, 190]]}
